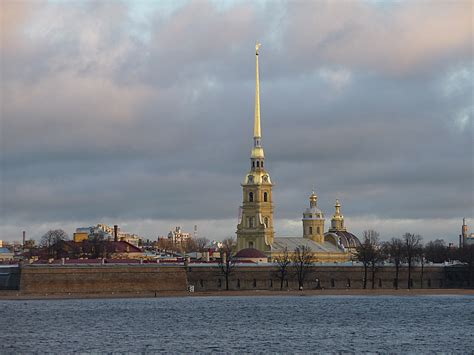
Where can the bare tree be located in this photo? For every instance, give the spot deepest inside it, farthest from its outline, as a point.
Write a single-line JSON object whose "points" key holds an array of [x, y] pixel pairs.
{"points": [[412, 249], [283, 262], [302, 259], [466, 255], [367, 252], [436, 251], [52, 241], [394, 251], [97, 246], [227, 259], [201, 244]]}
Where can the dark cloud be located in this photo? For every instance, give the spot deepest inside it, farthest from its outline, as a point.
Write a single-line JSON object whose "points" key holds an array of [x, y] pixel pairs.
{"points": [[107, 119]]}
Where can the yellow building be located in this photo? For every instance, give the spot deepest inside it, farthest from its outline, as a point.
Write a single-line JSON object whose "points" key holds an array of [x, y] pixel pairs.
{"points": [[255, 227]]}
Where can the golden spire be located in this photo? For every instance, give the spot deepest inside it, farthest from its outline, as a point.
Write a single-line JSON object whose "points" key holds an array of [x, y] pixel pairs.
{"points": [[256, 128], [257, 151], [338, 208]]}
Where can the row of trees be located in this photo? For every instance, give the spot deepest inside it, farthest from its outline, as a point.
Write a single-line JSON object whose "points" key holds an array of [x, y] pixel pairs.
{"points": [[407, 250]]}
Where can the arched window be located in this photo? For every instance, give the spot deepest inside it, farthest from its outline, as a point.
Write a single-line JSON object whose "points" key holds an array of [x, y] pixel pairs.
{"points": [[258, 164], [265, 197], [250, 222], [253, 164], [261, 164], [250, 196], [310, 230]]}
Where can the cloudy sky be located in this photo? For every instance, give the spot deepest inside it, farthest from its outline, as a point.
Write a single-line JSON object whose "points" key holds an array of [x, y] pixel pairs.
{"points": [[140, 113]]}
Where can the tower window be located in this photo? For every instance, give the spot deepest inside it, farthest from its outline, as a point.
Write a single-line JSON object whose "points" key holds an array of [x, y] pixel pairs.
{"points": [[317, 230], [265, 197], [250, 222], [310, 230], [250, 196], [257, 164], [253, 164], [261, 164]]}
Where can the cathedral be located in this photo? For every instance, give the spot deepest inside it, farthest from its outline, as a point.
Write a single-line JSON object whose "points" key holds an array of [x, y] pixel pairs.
{"points": [[255, 228]]}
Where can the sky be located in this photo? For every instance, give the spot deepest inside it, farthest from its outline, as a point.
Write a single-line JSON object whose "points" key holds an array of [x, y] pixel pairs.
{"points": [[140, 113]]}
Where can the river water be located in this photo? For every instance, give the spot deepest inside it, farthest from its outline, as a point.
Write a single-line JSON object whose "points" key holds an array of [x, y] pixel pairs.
{"points": [[281, 324]]}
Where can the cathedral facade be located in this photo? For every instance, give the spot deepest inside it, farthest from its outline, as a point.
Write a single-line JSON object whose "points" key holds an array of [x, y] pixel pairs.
{"points": [[255, 228]]}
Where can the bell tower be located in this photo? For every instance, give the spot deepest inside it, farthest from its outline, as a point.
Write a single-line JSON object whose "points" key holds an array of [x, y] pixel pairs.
{"points": [[255, 228], [337, 220], [313, 221]]}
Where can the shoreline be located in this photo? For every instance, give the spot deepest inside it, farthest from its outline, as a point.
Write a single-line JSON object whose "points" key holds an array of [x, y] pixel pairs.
{"points": [[13, 295]]}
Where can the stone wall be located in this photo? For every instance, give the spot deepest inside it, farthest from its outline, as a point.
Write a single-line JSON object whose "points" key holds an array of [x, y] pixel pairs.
{"points": [[110, 279], [55, 279], [337, 277]]}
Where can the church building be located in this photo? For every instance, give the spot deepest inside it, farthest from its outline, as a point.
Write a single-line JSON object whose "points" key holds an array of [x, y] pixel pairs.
{"points": [[255, 228]]}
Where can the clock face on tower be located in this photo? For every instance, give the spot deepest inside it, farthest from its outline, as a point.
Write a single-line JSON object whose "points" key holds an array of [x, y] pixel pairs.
{"points": [[265, 178]]}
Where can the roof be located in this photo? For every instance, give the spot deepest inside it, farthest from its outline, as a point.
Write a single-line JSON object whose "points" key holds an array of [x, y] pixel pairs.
{"points": [[291, 243], [250, 253], [112, 246], [5, 251], [346, 239]]}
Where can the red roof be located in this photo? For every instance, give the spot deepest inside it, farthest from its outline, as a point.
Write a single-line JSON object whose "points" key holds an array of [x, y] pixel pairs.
{"points": [[250, 253]]}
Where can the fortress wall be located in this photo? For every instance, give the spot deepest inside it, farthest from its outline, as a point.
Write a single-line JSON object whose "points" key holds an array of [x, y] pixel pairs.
{"points": [[107, 279], [337, 277], [101, 279]]}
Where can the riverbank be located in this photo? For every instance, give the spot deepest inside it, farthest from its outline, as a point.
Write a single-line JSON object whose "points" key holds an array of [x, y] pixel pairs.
{"points": [[16, 295]]}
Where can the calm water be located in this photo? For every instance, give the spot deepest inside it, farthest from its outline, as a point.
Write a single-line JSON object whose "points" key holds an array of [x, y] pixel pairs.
{"points": [[420, 324]]}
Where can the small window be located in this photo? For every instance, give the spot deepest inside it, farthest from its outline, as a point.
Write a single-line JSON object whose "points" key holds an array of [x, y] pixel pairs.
{"points": [[265, 197], [380, 283], [201, 283], [258, 164], [261, 164], [238, 283], [250, 222], [271, 282], [317, 230], [348, 284], [333, 283], [254, 283], [250, 244], [219, 283], [250, 196], [310, 230], [253, 164]]}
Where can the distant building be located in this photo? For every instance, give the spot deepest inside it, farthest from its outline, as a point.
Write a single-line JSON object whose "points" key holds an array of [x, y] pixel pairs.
{"points": [[1, 243], [107, 232], [177, 236], [466, 239], [6, 254], [105, 249]]}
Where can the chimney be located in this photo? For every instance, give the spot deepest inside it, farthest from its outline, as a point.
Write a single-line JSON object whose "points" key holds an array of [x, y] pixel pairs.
{"points": [[116, 233], [24, 239]]}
